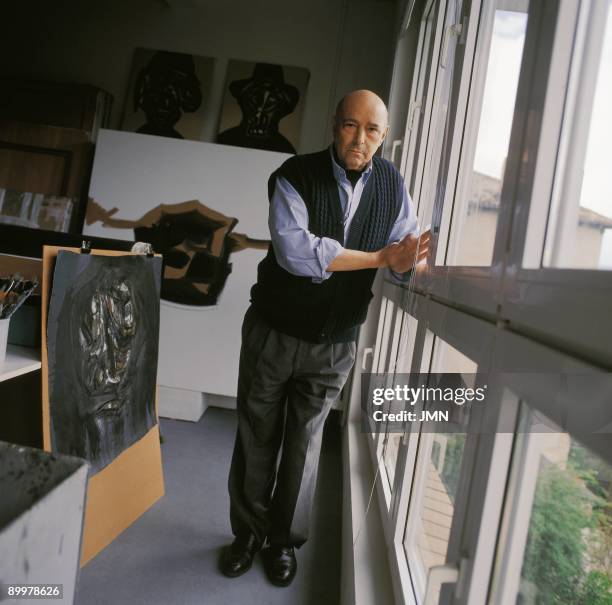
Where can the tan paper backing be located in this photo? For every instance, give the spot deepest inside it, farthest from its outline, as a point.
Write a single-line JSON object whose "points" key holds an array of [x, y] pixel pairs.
{"points": [[128, 486]]}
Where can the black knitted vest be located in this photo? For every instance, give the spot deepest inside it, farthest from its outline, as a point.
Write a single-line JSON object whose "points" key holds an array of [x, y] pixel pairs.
{"points": [[332, 310]]}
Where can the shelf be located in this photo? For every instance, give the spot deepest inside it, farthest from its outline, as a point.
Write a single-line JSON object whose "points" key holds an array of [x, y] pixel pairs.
{"points": [[19, 360]]}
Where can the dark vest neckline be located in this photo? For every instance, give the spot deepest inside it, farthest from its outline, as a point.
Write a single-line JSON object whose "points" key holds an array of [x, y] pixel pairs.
{"points": [[329, 311], [352, 175]]}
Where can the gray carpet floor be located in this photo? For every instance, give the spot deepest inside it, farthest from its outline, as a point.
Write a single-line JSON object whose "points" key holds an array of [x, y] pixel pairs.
{"points": [[170, 555]]}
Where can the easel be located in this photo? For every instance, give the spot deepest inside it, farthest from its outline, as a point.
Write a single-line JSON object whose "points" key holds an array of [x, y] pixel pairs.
{"points": [[133, 482]]}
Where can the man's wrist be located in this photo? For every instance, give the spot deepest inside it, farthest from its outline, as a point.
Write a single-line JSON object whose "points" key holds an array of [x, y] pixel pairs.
{"points": [[384, 256], [380, 259]]}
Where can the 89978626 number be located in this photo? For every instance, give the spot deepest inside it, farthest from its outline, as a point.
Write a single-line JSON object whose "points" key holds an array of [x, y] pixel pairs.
{"points": [[31, 591]]}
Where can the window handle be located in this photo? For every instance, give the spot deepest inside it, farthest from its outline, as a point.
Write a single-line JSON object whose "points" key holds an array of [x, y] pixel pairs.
{"points": [[367, 351], [397, 143], [451, 30], [415, 107], [438, 575]]}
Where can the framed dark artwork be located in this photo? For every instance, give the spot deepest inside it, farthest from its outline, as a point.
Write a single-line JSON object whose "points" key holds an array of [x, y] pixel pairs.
{"points": [[263, 105], [167, 94], [102, 349]]}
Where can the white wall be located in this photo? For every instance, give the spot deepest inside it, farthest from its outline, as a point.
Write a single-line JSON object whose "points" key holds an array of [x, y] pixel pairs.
{"points": [[345, 44]]}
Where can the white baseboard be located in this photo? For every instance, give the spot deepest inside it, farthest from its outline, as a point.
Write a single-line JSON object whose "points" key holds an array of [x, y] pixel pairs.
{"points": [[221, 401], [180, 404]]}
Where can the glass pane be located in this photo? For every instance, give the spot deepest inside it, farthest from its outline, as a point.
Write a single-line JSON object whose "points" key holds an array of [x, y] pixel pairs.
{"points": [[580, 226], [415, 123], [384, 355], [380, 346], [423, 186], [438, 498], [390, 455], [487, 138], [402, 366], [390, 337], [448, 359], [559, 548], [432, 503], [383, 338]]}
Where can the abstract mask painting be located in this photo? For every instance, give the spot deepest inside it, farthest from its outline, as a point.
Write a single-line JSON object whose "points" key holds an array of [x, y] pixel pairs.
{"points": [[167, 94], [263, 106], [102, 345]]}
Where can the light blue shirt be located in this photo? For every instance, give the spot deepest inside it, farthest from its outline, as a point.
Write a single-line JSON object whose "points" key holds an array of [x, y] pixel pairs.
{"points": [[302, 253]]}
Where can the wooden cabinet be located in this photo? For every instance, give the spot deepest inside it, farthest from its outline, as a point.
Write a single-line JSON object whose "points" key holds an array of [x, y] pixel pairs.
{"points": [[47, 134], [76, 106]]}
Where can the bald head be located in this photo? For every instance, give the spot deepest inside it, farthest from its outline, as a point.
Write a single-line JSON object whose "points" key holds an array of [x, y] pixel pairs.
{"points": [[360, 126], [362, 98]]}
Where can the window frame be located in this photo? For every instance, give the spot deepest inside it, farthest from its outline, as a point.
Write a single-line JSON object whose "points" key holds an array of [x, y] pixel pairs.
{"points": [[422, 100], [545, 296], [499, 316]]}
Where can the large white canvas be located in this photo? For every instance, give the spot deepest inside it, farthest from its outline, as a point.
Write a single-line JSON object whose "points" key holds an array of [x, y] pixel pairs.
{"points": [[199, 346]]}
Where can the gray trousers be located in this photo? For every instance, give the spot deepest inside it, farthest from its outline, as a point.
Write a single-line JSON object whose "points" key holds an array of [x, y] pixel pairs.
{"points": [[286, 387]]}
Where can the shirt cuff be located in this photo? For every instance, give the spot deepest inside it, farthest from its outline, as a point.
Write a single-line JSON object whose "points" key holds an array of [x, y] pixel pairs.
{"points": [[400, 277], [326, 252]]}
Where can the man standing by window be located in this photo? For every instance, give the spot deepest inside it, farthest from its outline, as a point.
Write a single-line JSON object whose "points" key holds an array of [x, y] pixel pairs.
{"points": [[335, 217]]}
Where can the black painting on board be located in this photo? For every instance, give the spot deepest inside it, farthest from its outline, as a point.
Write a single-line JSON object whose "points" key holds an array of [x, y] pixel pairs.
{"points": [[102, 345], [262, 106], [167, 94]]}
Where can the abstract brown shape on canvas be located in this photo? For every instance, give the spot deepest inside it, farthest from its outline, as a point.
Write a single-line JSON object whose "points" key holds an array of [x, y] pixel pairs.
{"points": [[196, 242]]}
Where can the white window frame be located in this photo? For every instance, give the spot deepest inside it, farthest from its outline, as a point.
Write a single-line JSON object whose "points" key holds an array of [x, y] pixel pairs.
{"points": [[422, 97], [540, 291], [506, 318]]}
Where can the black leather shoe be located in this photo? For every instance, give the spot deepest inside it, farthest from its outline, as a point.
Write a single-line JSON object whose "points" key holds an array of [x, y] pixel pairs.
{"points": [[280, 564], [237, 558]]}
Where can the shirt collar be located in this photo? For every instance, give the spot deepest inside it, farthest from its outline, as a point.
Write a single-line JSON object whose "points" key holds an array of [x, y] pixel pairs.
{"points": [[340, 173]]}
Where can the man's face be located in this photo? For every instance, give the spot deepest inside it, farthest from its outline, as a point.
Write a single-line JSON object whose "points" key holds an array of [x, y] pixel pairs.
{"points": [[359, 129]]}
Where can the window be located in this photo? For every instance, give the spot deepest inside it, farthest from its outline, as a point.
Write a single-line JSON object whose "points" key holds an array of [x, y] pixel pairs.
{"points": [[579, 234], [422, 92], [392, 355], [487, 135], [506, 156], [559, 549], [380, 350], [402, 365], [432, 502]]}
